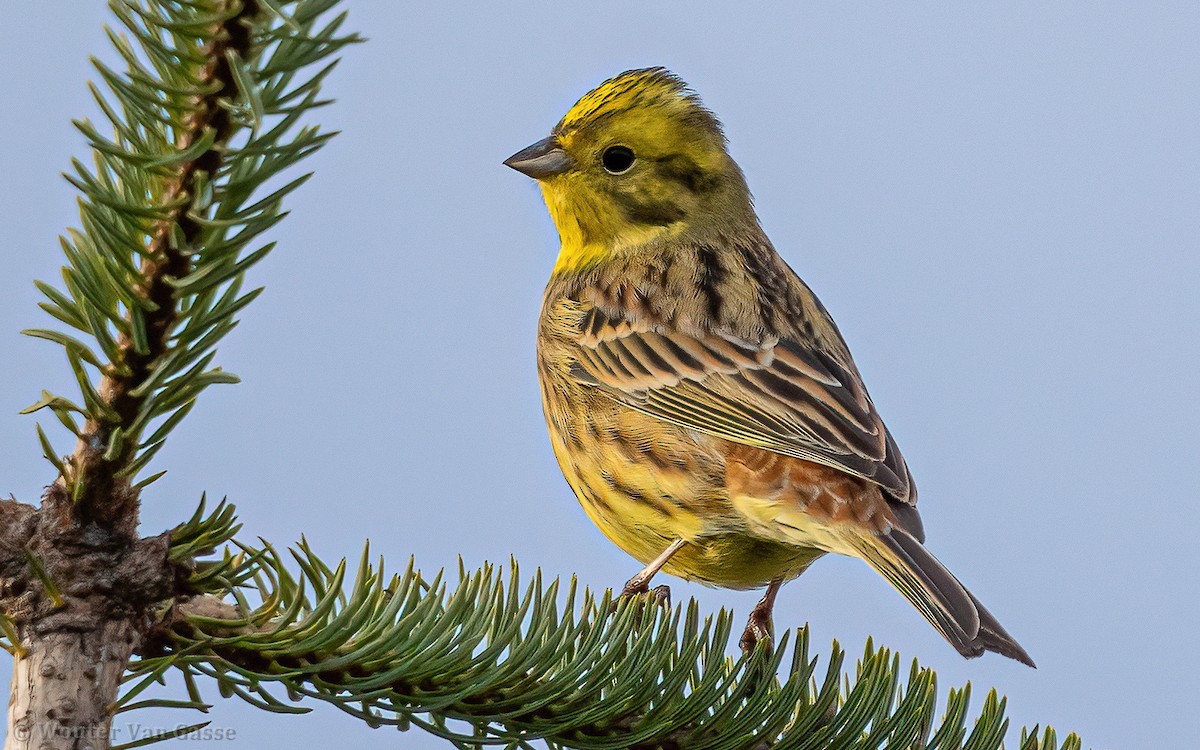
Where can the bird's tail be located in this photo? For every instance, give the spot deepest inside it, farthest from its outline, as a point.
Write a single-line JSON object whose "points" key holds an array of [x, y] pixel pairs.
{"points": [[938, 595]]}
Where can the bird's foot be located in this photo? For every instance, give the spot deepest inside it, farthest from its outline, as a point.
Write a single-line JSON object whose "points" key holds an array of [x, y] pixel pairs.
{"points": [[758, 630], [634, 586], [637, 586]]}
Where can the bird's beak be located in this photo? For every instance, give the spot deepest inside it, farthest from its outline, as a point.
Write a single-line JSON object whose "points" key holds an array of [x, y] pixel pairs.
{"points": [[541, 160]]}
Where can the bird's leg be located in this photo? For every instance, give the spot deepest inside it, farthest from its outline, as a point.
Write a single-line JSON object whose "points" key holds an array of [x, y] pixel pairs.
{"points": [[640, 583], [758, 626]]}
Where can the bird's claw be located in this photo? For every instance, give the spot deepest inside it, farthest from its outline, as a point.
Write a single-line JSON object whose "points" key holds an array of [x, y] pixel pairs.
{"points": [[758, 629], [660, 594]]}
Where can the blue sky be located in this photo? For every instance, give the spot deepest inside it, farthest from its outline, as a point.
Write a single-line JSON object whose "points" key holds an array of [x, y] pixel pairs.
{"points": [[999, 204]]}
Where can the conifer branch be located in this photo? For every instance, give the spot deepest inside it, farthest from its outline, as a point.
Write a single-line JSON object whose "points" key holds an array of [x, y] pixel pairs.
{"points": [[204, 126], [490, 661], [205, 112]]}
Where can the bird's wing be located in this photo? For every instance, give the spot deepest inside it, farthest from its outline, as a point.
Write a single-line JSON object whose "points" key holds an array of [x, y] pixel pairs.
{"points": [[780, 395]]}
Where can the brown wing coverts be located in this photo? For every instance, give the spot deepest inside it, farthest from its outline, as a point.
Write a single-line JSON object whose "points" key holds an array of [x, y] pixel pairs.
{"points": [[779, 394]]}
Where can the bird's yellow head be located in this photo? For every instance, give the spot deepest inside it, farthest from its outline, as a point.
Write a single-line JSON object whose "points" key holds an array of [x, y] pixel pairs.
{"points": [[636, 160]]}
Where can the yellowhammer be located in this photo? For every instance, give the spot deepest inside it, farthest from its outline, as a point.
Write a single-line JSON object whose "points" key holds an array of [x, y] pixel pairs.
{"points": [[700, 400]]}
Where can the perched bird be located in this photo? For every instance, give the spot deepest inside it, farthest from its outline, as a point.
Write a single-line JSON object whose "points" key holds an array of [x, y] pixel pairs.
{"points": [[700, 400]]}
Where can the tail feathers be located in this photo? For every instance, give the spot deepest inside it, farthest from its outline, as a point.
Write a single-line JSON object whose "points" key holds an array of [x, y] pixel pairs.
{"points": [[938, 595], [993, 636]]}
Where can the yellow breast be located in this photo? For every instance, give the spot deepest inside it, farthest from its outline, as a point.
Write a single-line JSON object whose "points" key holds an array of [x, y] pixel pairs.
{"points": [[646, 483]]}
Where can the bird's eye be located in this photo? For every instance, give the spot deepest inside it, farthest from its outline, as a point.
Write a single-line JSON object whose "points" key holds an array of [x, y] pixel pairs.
{"points": [[617, 159]]}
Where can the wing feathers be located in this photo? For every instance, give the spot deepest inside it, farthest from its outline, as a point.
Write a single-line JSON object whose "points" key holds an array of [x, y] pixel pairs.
{"points": [[778, 394]]}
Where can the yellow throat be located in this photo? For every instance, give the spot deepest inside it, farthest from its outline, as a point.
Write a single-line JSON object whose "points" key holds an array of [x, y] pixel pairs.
{"points": [[636, 161]]}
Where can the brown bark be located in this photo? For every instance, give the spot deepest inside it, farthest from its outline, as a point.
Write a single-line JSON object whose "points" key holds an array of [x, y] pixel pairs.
{"points": [[63, 685], [79, 597]]}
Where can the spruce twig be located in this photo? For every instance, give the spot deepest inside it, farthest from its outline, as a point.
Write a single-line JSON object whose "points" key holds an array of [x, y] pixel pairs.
{"points": [[492, 660]]}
